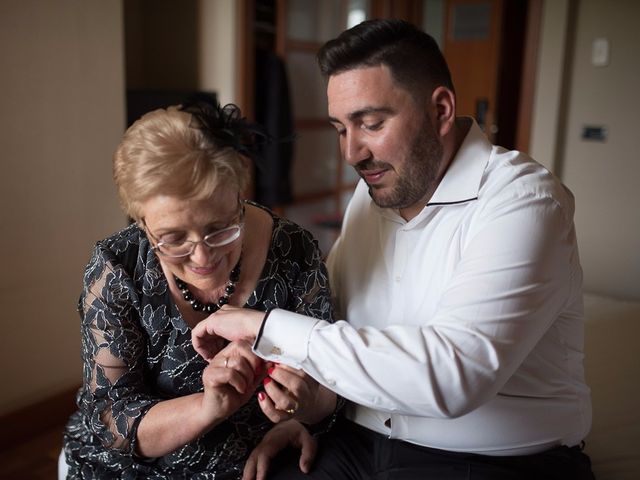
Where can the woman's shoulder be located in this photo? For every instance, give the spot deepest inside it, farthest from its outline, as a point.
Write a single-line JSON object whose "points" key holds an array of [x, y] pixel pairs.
{"points": [[286, 230], [123, 248], [130, 237]]}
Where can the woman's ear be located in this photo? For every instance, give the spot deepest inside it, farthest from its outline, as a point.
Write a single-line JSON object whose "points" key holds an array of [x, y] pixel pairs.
{"points": [[443, 103]]}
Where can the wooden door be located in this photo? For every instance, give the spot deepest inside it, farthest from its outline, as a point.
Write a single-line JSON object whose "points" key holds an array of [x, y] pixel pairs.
{"points": [[472, 43]]}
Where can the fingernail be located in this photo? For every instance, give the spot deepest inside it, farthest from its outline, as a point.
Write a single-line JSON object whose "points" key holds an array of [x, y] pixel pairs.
{"points": [[270, 371], [266, 380], [261, 396]]}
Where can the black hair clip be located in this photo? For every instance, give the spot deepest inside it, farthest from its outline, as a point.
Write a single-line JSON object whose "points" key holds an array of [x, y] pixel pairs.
{"points": [[224, 126]]}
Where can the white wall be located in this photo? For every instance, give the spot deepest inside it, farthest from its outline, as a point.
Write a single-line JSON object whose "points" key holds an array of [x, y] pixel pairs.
{"points": [[62, 116], [602, 175]]}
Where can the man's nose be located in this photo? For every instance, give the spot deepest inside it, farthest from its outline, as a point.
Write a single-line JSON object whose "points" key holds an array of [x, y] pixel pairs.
{"points": [[354, 148]]}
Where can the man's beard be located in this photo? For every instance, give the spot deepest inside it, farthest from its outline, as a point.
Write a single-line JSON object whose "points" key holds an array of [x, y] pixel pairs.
{"points": [[415, 176]]}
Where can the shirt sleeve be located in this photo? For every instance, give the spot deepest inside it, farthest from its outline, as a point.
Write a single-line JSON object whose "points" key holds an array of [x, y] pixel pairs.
{"points": [[307, 281], [512, 280], [114, 396]]}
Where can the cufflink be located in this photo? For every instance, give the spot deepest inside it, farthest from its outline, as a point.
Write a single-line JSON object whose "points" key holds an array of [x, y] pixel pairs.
{"points": [[276, 351]]}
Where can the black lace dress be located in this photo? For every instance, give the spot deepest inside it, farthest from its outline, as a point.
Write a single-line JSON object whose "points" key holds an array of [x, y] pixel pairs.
{"points": [[137, 351]]}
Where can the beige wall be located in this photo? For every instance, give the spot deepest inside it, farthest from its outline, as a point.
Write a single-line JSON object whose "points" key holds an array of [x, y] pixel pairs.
{"points": [[549, 76], [218, 49], [161, 44], [603, 176], [63, 114], [186, 45], [61, 118]]}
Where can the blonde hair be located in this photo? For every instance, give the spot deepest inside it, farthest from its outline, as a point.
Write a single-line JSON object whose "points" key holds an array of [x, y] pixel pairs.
{"points": [[166, 152]]}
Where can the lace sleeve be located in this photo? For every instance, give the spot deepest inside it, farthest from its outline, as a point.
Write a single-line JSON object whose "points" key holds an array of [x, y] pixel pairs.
{"points": [[114, 395], [312, 295], [311, 292]]}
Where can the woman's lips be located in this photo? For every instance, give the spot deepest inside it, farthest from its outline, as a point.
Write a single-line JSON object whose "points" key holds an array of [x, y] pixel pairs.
{"points": [[203, 271]]}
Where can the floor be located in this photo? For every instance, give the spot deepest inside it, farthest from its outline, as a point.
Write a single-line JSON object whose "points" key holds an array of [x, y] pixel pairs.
{"points": [[36, 459]]}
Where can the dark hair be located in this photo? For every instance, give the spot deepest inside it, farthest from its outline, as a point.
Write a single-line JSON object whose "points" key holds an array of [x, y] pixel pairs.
{"points": [[413, 56]]}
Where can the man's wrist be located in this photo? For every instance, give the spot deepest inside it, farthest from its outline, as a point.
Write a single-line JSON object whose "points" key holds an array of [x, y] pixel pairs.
{"points": [[261, 327], [284, 337]]}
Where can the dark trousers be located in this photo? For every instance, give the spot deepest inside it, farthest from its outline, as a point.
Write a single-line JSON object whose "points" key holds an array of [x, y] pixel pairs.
{"points": [[351, 452]]}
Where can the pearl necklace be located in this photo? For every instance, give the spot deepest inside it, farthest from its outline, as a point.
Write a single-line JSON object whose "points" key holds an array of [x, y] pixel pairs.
{"points": [[230, 287]]}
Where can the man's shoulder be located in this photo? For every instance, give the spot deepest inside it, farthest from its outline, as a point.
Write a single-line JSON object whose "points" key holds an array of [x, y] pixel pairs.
{"points": [[511, 173]]}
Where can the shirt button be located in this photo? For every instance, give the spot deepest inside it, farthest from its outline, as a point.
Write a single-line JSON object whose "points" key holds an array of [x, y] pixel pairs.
{"points": [[331, 381]]}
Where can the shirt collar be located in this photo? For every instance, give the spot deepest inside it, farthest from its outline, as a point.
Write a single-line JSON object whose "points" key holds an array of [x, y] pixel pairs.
{"points": [[461, 181]]}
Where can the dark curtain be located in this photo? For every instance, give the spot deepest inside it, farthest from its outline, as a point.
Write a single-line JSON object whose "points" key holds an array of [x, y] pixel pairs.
{"points": [[273, 112]]}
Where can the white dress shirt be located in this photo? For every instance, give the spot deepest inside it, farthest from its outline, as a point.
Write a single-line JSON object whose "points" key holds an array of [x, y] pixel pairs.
{"points": [[464, 325]]}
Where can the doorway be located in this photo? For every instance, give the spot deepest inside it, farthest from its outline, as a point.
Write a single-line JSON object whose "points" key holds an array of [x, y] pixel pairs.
{"points": [[488, 44]]}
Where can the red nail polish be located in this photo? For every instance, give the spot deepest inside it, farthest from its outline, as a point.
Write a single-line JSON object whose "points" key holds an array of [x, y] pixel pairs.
{"points": [[266, 380], [270, 371], [261, 396]]}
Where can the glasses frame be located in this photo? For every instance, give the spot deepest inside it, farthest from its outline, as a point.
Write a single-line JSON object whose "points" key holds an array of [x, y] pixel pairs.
{"points": [[159, 243]]}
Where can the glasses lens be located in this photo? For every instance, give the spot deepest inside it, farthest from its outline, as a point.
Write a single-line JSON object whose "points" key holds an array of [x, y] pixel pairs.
{"points": [[223, 237], [181, 249]]}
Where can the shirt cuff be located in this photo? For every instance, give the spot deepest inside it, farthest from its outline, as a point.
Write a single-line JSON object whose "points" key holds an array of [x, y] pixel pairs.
{"points": [[284, 337]]}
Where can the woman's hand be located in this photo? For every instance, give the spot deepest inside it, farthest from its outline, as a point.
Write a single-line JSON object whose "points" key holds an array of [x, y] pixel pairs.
{"points": [[291, 393], [229, 380], [290, 433], [232, 323]]}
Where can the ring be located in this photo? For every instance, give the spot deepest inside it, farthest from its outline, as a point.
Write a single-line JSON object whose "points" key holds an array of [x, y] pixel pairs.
{"points": [[293, 410], [226, 361]]}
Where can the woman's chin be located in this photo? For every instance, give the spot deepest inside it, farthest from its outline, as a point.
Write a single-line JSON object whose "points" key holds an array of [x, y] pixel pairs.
{"points": [[205, 285]]}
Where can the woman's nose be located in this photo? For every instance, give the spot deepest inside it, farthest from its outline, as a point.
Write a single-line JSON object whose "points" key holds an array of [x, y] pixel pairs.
{"points": [[201, 253]]}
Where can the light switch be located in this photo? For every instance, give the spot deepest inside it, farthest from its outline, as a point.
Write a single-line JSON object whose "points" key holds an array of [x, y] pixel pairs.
{"points": [[596, 133], [600, 52]]}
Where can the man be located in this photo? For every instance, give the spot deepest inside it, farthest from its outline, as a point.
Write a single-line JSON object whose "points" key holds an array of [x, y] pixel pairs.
{"points": [[458, 275]]}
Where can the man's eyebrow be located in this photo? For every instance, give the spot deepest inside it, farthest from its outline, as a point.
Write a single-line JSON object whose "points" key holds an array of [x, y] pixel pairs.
{"points": [[363, 112]]}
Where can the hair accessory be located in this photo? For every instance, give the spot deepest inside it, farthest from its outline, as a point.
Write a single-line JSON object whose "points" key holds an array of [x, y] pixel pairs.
{"points": [[224, 126]]}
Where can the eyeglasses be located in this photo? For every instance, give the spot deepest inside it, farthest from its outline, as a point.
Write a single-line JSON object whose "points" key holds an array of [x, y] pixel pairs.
{"points": [[184, 248]]}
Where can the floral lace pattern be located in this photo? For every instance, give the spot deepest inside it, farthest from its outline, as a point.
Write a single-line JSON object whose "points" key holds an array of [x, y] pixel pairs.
{"points": [[137, 351]]}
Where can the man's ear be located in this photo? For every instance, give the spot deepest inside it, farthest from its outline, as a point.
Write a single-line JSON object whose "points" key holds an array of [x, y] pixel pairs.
{"points": [[443, 103]]}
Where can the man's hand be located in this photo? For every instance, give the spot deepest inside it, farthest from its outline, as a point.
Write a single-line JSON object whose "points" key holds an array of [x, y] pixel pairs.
{"points": [[289, 433], [232, 323]]}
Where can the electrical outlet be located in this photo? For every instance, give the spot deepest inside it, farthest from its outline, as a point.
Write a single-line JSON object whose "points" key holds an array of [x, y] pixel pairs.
{"points": [[600, 52]]}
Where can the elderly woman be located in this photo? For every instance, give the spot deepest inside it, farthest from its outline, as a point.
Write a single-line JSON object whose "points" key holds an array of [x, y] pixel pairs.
{"points": [[150, 406]]}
